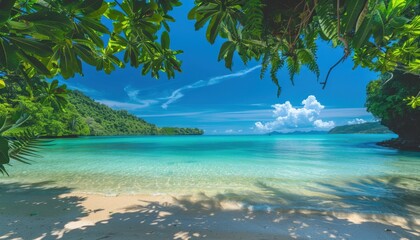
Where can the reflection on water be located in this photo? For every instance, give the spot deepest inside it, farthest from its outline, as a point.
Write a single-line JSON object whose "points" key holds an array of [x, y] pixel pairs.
{"points": [[322, 172]]}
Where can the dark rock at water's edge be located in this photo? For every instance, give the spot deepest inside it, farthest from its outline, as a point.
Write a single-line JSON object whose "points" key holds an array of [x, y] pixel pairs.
{"points": [[363, 128], [402, 144]]}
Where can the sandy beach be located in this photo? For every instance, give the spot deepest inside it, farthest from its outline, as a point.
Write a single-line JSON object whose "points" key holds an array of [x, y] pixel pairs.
{"points": [[34, 211]]}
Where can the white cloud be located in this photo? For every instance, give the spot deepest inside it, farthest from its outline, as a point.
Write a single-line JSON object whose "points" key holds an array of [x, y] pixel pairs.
{"points": [[287, 116], [136, 102], [178, 93], [356, 121], [127, 106], [321, 124], [132, 93], [133, 96]]}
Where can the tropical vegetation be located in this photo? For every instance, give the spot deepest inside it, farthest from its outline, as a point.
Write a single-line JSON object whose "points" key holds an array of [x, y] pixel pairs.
{"points": [[382, 35], [48, 38], [389, 99], [368, 128], [80, 116]]}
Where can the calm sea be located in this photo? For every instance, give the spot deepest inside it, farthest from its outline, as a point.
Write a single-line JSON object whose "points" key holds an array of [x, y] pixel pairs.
{"points": [[322, 172]]}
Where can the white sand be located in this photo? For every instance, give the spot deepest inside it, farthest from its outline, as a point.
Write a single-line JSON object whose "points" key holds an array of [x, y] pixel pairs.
{"points": [[33, 213]]}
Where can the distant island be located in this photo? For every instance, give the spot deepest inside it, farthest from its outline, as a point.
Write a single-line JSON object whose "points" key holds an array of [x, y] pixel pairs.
{"points": [[369, 127], [84, 116]]}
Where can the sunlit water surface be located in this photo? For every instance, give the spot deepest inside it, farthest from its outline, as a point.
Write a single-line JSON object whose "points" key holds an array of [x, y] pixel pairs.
{"points": [[321, 172]]}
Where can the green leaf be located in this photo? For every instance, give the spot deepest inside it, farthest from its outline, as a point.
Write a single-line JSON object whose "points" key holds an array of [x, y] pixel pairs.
{"points": [[353, 10], [19, 25], [92, 35], [2, 84], [326, 17], [94, 25], [155, 18], [398, 22], [5, 9], [118, 44], [378, 27], [165, 40], [363, 33], [213, 28], [224, 49], [8, 55], [54, 21], [25, 146], [90, 6], [35, 63], [99, 12], [69, 64], [192, 13], [4, 151], [86, 54], [32, 46], [114, 15], [362, 16], [229, 58]]}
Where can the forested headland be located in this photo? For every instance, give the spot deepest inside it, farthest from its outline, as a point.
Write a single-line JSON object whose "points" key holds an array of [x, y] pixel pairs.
{"points": [[82, 116]]}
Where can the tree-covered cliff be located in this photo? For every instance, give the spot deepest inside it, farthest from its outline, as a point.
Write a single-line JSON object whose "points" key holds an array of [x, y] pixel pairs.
{"points": [[369, 127], [82, 116], [102, 120]]}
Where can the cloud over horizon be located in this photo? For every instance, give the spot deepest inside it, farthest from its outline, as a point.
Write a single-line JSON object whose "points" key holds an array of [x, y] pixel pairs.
{"points": [[288, 117], [179, 93], [357, 121]]}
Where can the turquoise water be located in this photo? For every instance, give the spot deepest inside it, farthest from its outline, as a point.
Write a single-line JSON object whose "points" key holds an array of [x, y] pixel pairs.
{"points": [[324, 172]]}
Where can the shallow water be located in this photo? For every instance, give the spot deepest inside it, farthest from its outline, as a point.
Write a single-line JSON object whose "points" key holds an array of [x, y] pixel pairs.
{"points": [[320, 172]]}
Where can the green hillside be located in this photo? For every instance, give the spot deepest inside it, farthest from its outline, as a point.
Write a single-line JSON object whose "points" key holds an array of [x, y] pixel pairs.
{"points": [[370, 127], [102, 120], [85, 117]]}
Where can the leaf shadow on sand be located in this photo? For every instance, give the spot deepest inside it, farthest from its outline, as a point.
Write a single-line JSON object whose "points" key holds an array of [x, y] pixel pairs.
{"points": [[221, 217], [36, 210]]}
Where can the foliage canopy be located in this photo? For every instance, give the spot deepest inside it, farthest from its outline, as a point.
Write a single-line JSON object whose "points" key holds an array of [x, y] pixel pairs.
{"points": [[386, 100], [382, 35], [50, 38]]}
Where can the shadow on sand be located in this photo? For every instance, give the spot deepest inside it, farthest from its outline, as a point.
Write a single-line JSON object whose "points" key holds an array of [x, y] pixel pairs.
{"points": [[29, 211], [27, 214]]}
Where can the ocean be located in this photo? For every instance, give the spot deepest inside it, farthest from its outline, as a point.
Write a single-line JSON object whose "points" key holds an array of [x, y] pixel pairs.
{"points": [[314, 172]]}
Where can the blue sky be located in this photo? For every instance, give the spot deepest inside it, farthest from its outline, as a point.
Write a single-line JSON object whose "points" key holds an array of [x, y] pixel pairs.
{"points": [[209, 96]]}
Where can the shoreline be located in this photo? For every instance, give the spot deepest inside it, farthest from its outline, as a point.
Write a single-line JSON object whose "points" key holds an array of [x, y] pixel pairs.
{"points": [[34, 213]]}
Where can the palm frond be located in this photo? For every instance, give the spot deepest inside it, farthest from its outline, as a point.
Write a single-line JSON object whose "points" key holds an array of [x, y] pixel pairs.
{"points": [[25, 146], [293, 67], [9, 123], [307, 58], [4, 154], [326, 19], [254, 17], [276, 63], [265, 63], [3, 170]]}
